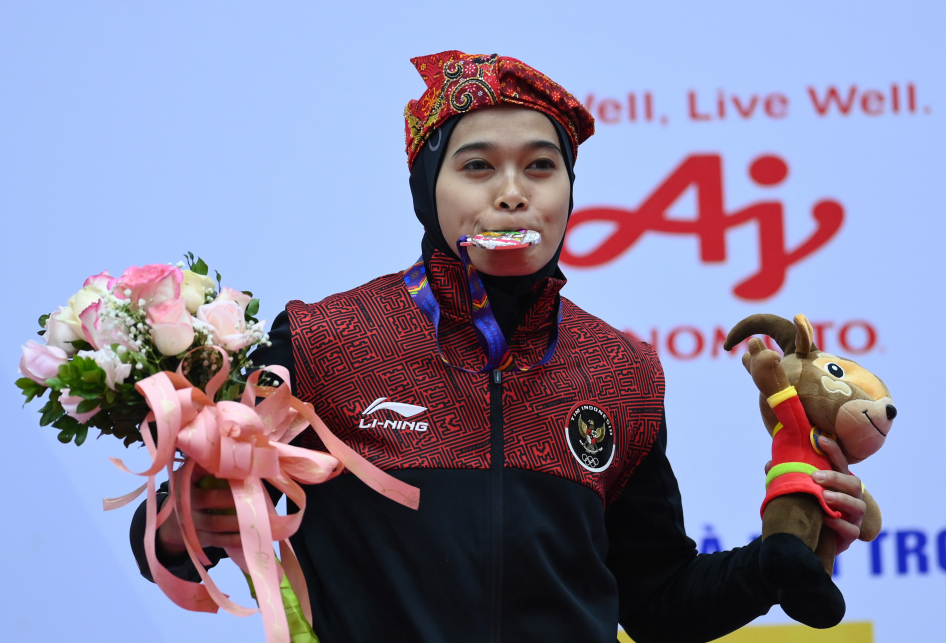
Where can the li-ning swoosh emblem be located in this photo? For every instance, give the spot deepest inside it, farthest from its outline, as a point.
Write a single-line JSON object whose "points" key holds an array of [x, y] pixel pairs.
{"points": [[406, 410]]}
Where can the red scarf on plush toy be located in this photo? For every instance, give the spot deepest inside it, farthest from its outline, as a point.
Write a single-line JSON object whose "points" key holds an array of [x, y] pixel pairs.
{"points": [[795, 453]]}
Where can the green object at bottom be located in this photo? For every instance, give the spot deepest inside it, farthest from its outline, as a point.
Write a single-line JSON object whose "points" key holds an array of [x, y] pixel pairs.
{"points": [[299, 629]]}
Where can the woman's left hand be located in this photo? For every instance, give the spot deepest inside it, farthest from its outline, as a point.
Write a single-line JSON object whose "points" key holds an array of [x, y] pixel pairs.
{"points": [[844, 493]]}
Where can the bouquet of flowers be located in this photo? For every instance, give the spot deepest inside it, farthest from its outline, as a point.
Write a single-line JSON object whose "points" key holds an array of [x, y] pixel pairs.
{"points": [[117, 331], [157, 355]]}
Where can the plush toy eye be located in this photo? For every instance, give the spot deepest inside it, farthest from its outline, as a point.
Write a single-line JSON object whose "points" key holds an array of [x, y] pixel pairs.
{"points": [[834, 369]]}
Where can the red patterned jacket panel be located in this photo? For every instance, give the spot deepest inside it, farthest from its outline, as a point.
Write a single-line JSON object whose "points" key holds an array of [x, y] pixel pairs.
{"points": [[417, 412]]}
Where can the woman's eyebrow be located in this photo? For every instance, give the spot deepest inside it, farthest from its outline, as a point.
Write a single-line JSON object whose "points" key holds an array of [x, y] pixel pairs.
{"points": [[476, 146], [485, 146], [542, 144]]}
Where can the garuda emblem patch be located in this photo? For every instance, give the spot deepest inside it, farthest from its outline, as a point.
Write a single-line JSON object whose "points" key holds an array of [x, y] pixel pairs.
{"points": [[590, 436]]}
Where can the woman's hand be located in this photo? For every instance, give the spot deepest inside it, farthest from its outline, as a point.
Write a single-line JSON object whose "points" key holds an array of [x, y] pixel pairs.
{"points": [[213, 513], [844, 492]]}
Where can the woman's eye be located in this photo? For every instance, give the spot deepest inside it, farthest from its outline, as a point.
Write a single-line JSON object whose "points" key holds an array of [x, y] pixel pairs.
{"points": [[542, 164], [834, 370], [476, 165]]}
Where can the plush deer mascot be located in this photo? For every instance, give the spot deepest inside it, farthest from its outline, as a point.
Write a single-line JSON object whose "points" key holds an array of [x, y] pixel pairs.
{"points": [[806, 398]]}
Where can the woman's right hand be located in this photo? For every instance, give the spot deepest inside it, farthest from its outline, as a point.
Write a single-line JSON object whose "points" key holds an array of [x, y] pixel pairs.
{"points": [[213, 513]]}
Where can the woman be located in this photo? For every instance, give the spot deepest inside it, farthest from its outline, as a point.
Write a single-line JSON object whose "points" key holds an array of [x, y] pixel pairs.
{"points": [[535, 431]]}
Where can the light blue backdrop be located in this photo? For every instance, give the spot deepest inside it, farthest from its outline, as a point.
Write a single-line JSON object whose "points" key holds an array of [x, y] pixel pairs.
{"points": [[268, 138]]}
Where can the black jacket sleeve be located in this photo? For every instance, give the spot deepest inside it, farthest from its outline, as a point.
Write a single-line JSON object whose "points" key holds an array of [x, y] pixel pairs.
{"points": [[667, 592], [181, 566], [278, 353]]}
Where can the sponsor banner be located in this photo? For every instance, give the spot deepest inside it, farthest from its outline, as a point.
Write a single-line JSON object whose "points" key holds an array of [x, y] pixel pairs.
{"points": [[843, 633]]}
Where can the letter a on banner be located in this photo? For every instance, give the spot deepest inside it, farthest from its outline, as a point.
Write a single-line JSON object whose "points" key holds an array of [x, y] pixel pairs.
{"points": [[704, 174]]}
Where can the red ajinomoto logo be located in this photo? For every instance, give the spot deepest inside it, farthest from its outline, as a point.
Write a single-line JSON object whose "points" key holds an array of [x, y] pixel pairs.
{"points": [[704, 173]]}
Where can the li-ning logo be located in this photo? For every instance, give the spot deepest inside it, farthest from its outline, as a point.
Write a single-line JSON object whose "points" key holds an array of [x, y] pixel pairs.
{"points": [[704, 174], [404, 410]]}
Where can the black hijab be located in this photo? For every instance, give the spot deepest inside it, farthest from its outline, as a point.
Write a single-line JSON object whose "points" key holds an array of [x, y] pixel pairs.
{"points": [[510, 297]]}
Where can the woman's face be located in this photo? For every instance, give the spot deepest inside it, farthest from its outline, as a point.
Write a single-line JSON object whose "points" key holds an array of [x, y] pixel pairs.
{"points": [[504, 170]]}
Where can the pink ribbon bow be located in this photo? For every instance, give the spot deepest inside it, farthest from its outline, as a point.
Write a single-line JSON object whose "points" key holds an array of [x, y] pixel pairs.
{"points": [[243, 443]]}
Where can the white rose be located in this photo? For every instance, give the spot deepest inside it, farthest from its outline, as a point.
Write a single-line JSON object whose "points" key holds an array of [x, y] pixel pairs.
{"points": [[60, 334], [86, 297], [115, 371], [194, 289], [229, 327]]}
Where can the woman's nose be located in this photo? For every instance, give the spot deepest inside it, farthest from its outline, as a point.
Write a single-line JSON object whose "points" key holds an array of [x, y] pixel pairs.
{"points": [[511, 197], [512, 204]]}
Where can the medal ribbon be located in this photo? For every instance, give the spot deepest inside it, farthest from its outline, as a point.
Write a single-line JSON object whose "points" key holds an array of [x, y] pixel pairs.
{"points": [[488, 333]]}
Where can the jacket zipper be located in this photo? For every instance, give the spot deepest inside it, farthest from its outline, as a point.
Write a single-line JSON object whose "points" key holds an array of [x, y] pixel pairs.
{"points": [[496, 462]]}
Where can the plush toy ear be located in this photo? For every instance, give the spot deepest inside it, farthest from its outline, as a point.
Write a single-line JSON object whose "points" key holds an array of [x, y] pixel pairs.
{"points": [[804, 336]]}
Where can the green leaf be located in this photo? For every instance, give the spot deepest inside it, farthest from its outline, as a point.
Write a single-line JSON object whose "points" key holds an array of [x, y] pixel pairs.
{"points": [[87, 405], [52, 411], [200, 267], [81, 344], [252, 308], [93, 377], [42, 320], [30, 388], [247, 292], [56, 383], [219, 280], [51, 414], [65, 436], [81, 434], [25, 383]]}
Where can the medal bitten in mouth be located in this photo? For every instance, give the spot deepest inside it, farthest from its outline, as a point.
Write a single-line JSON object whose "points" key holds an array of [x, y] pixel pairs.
{"points": [[502, 239]]}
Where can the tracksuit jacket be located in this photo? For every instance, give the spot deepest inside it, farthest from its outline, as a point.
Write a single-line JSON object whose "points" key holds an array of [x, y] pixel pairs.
{"points": [[548, 508]]}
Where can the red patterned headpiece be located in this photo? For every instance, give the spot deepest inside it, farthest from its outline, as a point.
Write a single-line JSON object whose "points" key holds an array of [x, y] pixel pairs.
{"points": [[458, 83]]}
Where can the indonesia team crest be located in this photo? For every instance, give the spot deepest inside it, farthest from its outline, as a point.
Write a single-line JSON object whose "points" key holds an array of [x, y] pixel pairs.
{"points": [[590, 436]]}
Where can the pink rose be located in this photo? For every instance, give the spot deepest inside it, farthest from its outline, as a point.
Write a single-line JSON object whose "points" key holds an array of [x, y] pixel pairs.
{"points": [[59, 334], [39, 362], [228, 323], [171, 327], [103, 281], [149, 285], [71, 404], [102, 331], [229, 294]]}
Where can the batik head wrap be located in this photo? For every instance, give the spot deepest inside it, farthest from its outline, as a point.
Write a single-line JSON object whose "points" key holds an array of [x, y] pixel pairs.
{"points": [[458, 83]]}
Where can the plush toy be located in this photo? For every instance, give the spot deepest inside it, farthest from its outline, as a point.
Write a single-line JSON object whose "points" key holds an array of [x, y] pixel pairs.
{"points": [[808, 398]]}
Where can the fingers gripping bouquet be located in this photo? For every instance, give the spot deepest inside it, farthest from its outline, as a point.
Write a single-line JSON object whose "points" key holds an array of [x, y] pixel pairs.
{"points": [[156, 355]]}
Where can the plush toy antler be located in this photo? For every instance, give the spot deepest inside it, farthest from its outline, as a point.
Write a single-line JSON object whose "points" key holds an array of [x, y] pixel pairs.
{"points": [[807, 397]]}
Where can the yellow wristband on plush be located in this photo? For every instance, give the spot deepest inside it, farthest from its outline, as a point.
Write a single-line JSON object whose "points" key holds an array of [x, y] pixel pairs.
{"points": [[781, 396]]}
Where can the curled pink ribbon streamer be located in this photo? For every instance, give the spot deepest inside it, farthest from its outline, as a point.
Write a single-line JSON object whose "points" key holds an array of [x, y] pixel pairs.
{"points": [[245, 443]]}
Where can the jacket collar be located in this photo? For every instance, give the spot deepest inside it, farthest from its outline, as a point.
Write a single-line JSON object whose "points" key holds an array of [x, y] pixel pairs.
{"points": [[445, 275]]}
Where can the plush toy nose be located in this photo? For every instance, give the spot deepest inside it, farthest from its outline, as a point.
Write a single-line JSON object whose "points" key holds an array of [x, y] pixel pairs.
{"points": [[891, 411]]}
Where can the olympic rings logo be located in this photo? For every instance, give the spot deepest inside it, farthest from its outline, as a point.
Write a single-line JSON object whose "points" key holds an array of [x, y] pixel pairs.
{"points": [[590, 460]]}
